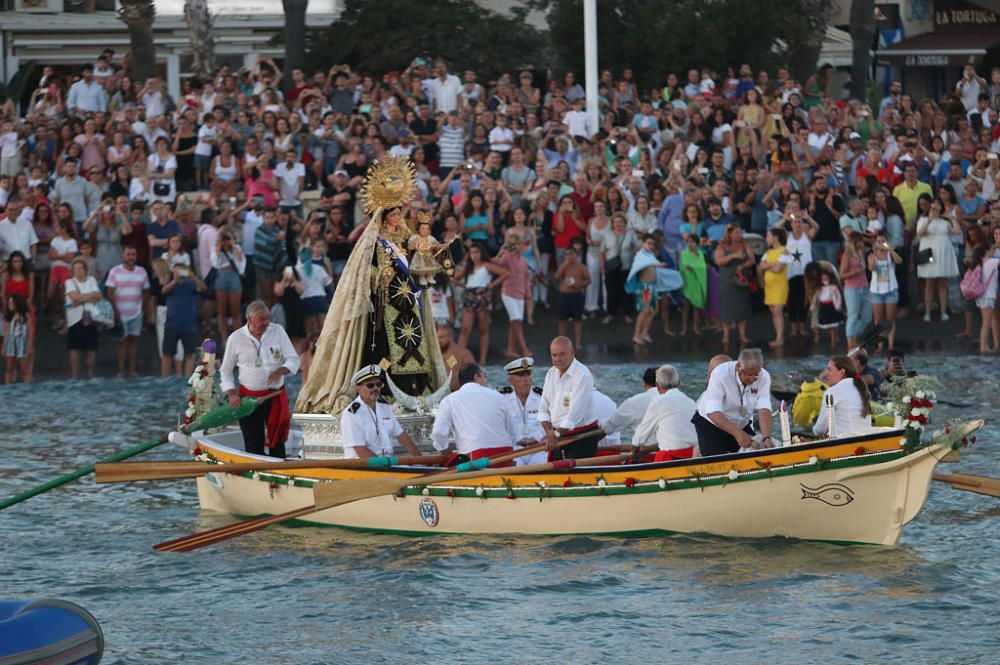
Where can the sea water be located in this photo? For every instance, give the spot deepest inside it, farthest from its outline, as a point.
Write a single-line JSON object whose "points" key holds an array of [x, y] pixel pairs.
{"points": [[314, 595]]}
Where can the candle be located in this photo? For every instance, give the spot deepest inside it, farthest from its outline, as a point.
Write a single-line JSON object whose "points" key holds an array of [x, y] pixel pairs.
{"points": [[830, 425], [786, 430], [209, 349]]}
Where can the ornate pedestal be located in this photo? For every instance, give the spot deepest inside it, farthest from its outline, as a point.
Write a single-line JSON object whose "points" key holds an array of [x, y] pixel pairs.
{"points": [[322, 438]]}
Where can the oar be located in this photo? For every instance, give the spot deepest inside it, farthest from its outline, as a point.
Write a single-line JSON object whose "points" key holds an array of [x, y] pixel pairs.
{"points": [[871, 336], [971, 483], [217, 417], [337, 493], [125, 472]]}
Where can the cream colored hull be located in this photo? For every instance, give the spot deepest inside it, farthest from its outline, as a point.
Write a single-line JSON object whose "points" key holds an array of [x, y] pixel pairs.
{"points": [[861, 504]]}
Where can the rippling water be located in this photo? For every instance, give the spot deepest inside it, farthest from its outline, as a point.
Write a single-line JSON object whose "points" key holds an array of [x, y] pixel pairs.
{"points": [[308, 595]]}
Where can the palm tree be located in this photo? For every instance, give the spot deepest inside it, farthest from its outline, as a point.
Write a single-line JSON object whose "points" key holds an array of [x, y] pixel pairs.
{"points": [[200, 24], [138, 15], [862, 34], [295, 36]]}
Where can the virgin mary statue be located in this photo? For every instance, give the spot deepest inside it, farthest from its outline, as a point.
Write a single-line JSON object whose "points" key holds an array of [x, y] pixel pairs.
{"points": [[378, 312]]}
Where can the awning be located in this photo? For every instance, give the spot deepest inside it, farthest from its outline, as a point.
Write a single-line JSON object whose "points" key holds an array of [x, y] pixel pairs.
{"points": [[940, 49]]}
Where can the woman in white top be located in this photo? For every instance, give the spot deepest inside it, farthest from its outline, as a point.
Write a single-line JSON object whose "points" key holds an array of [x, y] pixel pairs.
{"points": [[801, 230], [225, 172], [479, 276], [851, 407], [884, 287], [230, 263], [598, 229], [81, 291], [933, 232], [162, 166]]}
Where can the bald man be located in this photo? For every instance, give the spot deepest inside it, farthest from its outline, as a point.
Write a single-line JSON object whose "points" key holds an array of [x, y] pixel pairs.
{"points": [[567, 405]]}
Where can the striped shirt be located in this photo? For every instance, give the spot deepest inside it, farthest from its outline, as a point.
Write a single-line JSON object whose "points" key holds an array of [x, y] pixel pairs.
{"points": [[128, 286], [268, 249], [452, 145]]}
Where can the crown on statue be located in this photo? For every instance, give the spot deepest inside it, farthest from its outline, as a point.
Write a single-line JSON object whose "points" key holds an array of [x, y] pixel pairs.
{"points": [[388, 184], [423, 217]]}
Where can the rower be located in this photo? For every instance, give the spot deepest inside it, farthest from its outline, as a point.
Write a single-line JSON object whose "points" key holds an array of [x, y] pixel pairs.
{"points": [[668, 419], [368, 425], [567, 405], [724, 421], [477, 417], [263, 355], [522, 401], [630, 412], [605, 408], [852, 408]]}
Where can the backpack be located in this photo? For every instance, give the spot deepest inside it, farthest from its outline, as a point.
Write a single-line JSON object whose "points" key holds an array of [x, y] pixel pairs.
{"points": [[973, 285]]}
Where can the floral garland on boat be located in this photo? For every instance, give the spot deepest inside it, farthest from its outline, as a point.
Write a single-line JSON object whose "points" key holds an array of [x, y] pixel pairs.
{"points": [[203, 393]]}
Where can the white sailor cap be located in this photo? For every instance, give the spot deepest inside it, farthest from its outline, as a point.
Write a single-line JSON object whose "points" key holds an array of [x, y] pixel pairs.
{"points": [[365, 373], [519, 366]]}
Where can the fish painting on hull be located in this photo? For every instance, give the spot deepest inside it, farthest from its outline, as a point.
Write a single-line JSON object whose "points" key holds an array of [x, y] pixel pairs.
{"points": [[832, 494]]}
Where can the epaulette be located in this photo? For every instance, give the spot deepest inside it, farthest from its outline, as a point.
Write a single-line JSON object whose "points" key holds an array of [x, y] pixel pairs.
{"points": [[505, 390], [353, 408], [537, 389]]}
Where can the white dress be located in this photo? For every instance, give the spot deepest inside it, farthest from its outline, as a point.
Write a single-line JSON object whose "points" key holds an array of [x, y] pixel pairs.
{"points": [[593, 294], [938, 239]]}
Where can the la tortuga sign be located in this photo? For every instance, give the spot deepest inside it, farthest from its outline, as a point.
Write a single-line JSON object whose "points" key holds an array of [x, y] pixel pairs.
{"points": [[958, 15]]}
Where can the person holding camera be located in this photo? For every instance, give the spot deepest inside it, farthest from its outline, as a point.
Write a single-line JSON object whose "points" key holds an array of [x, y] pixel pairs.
{"points": [[230, 263], [884, 287], [181, 294]]}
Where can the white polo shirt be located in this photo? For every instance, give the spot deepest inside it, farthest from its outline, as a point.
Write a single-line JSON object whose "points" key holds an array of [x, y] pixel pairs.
{"points": [[668, 421], [567, 399], [525, 419], [256, 359], [478, 417], [727, 395]]}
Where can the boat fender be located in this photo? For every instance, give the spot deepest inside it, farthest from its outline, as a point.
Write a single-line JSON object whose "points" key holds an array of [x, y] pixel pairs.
{"points": [[537, 389], [564, 464], [353, 408], [383, 461], [505, 390], [473, 465]]}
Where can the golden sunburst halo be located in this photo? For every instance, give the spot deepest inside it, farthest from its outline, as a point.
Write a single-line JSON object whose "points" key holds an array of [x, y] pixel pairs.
{"points": [[389, 184]]}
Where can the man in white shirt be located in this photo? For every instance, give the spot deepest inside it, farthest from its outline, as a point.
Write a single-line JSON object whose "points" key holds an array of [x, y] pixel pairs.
{"points": [[368, 426], [86, 95], [264, 355], [291, 176], [477, 417], [668, 419], [567, 404], [17, 234], [724, 421], [444, 89], [969, 87], [577, 121], [522, 400], [605, 408], [630, 412]]}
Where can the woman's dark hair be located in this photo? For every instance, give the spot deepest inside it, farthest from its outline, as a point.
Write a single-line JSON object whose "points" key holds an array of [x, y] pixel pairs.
{"points": [[20, 306], [951, 193], [780, 235], [894, 207], [851, 371], [25, 268]]}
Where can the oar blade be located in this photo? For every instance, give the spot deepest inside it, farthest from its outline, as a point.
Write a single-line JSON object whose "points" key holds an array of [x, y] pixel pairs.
{"points": [[971, 483], [339, 492], [110, 472]]}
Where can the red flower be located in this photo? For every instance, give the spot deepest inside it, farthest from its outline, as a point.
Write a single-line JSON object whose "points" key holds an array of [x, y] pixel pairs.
{"points": [[860, 450], [510, 495], [914, 402], [927, 404], [273, 486], [196, 451], [766, 465], [191, 399], [973, 439], [567, 483], [450, 492], [204, 373], [630, 482]]}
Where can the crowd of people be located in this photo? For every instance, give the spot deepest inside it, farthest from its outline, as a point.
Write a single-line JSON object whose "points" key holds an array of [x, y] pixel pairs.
{"points": [[127, 210]]}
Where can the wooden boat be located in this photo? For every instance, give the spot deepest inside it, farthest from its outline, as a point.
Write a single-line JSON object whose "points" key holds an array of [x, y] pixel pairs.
{"points": [[856, 489]]}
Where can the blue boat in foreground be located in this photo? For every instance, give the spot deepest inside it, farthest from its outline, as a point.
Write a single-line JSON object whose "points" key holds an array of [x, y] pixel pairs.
{"points": [[48, 632]]}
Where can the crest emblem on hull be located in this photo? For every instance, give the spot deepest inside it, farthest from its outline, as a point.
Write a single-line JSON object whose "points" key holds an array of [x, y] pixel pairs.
{"points": [[429, 512]]}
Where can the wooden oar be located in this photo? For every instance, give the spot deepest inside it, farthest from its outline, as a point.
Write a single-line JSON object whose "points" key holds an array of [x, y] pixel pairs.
{"points": [[217, 417], [218, 534], [347, 491], [125, 472], [971, 483]]}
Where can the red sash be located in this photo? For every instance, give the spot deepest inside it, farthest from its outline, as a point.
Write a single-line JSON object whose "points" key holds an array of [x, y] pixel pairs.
{"points": [[490, 452], [279, 420], [667, 455]]}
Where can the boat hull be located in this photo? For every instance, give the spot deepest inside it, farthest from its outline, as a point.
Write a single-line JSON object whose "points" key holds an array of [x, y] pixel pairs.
{"points": [[866, 497]]}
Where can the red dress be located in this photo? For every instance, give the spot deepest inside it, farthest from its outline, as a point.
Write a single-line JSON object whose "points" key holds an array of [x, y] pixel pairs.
{"points": [[17, 286]]}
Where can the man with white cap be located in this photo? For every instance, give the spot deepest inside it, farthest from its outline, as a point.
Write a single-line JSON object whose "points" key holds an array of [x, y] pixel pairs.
{"points": [[522, 399], [368, 426], [476, 416]]}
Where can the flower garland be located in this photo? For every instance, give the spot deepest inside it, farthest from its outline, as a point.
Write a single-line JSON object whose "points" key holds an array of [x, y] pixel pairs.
{"points": [[203, 392], [911, 401]]}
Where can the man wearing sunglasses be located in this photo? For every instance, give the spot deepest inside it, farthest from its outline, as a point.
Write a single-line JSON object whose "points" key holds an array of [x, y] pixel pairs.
{"points": [[736, 389], [368, 425]]}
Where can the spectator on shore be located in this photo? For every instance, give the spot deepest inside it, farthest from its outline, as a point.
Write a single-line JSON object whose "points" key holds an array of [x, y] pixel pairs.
{"points": [[81, 291], [128, 285]]}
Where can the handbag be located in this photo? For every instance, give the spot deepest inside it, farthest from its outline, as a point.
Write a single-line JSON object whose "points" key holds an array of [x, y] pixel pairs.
{"points": [[614, 264], [101, 313], [161, 188], [925, 256]]}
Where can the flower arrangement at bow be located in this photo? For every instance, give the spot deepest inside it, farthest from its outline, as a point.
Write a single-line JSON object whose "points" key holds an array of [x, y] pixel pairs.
{"points": [[911, 401], [203, 393]]}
